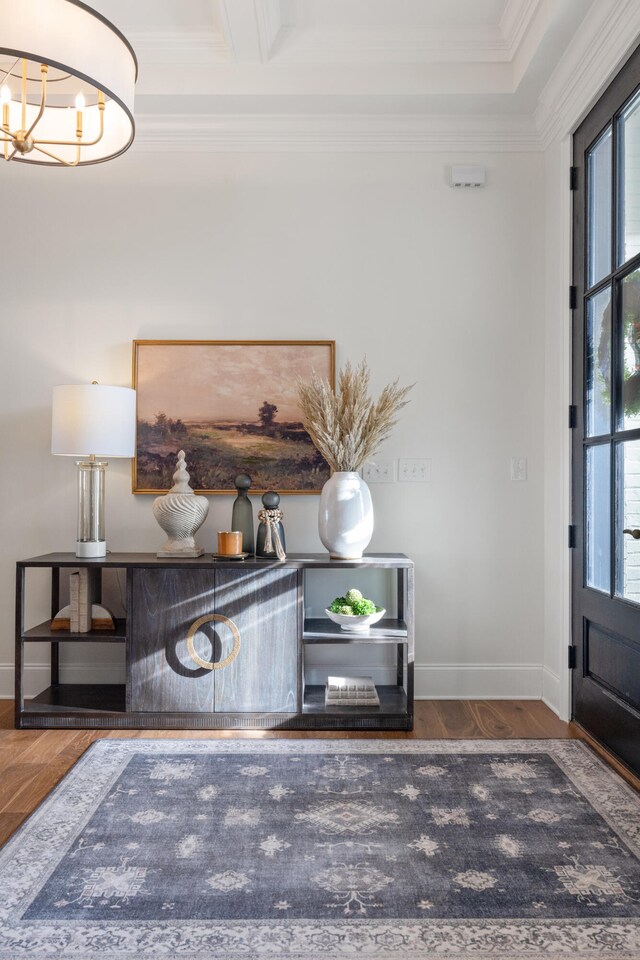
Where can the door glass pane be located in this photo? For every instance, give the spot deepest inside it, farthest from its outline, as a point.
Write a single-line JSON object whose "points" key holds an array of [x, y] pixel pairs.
{"points": [[598, 513], [629, 514], [598, 381], [599, 208], [631, 350], [629, 181]]}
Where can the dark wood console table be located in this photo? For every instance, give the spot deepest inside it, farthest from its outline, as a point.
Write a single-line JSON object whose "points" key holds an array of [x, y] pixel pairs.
{"points": [[168, 685]]}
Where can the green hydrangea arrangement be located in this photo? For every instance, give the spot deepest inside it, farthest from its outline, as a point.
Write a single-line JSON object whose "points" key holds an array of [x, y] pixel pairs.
{"points": [[353, 604]]}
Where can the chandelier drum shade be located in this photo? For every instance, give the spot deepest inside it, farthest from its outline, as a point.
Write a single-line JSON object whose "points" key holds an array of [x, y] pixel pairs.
{"points": [[67, 82]]}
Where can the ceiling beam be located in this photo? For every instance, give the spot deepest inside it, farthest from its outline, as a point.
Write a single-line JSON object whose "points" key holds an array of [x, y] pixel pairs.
{"points": [[251, 28]]}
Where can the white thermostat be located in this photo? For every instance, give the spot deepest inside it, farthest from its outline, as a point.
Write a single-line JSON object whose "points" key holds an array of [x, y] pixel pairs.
{"points": [[466, 175]]}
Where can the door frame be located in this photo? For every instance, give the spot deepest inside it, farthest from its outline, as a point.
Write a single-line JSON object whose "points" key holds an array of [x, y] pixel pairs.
{"points": [[591, 65], [565, 311], [608, 607]]}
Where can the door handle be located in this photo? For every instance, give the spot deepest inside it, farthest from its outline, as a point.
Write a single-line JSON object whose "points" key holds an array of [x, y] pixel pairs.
{"points": [[633, 533], [207, 664]]}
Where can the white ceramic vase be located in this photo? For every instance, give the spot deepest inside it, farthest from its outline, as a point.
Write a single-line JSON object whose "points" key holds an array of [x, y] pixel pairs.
{"points": [[180, 513], [345, 521]]}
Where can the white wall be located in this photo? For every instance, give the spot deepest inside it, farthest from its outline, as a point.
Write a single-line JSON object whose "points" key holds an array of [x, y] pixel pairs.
{"points": [[438, 286]]}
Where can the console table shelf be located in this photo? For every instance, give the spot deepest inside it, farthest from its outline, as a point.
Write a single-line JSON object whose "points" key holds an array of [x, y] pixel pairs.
{"points": [[246, 620], [85, 697], [393, 703], [325, 631], [43, 632]]}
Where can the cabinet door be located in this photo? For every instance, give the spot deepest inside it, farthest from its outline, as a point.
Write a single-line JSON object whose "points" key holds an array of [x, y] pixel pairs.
{"points": [[264, 606], [162, 675]]}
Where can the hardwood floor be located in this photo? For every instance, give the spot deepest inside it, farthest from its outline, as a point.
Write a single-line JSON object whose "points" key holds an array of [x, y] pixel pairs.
{"points": [[33, 761]]}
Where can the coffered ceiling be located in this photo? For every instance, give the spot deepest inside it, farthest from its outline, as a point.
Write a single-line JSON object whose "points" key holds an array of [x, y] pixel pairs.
{"points": [[221, 70]]}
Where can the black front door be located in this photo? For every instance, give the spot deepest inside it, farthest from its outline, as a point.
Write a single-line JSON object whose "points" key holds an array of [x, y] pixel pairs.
{"points": [[606, 437]]}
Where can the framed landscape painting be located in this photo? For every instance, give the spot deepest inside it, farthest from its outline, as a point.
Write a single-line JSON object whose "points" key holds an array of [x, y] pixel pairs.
{"points": [[232, 406]]}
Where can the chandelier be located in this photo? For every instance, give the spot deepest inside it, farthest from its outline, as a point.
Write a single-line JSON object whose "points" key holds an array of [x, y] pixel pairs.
{"points": [[67, 79]]}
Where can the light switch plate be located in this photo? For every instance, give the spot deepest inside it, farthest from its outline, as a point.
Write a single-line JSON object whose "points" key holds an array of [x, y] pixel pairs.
{"points": [[414, 471], [382, 471]]}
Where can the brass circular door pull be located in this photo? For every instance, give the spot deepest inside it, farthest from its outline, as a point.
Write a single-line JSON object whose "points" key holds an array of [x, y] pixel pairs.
{"points": [[208, 664]]}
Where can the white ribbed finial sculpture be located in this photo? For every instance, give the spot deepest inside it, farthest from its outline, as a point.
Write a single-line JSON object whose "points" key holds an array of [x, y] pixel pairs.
{"points": [[180, 513]]}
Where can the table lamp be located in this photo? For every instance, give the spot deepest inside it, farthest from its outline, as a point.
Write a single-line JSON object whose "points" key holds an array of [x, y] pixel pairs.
{"points": [[90, 421]]}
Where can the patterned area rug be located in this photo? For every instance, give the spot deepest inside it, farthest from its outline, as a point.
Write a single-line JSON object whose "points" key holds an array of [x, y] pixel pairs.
{"points": [[217, 850]]}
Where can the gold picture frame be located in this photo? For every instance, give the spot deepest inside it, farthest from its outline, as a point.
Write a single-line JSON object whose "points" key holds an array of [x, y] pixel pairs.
{"points": [[232, 406]]}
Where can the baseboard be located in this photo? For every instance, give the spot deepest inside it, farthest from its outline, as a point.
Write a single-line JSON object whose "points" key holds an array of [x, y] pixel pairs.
{"points": [[437, 681], [478, 681], [551, 690]]}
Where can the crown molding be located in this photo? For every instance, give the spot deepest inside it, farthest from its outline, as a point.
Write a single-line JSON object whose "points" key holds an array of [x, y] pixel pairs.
{"points": [[515, 22], [400, 45], [180, 46], [332, 133], [289, 45], [605, 39]]}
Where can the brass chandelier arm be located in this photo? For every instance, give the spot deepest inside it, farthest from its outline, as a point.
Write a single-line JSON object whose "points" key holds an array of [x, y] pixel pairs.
{"points": [[43, 100], [71, 143], [65, 163], [24, 94], [76, 143], [6, 140]]}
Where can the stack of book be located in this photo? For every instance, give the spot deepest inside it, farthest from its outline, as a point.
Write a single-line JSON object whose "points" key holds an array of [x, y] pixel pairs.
{"points": [[351, 692], [84, 613]]}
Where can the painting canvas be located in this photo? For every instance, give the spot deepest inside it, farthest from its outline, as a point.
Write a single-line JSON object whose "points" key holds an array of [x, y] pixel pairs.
{"points": [[232, 406]]}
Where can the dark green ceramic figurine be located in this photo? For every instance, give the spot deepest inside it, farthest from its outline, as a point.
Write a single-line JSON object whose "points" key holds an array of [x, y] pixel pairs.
{"points": [[242, 514]]}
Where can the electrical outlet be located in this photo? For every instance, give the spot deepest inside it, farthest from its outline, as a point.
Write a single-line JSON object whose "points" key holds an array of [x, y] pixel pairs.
{"points": [[382, 471], [518, 468], [414, 471]]}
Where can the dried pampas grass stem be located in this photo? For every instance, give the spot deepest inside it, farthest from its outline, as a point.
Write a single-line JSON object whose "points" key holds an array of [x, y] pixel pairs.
{"points": [[346, 425]]}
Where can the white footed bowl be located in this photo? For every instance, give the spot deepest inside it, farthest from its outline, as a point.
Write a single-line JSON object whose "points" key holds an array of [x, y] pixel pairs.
{"points": [[355, 623]]}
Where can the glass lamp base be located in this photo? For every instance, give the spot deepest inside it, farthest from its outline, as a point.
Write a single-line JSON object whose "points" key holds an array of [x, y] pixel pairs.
{"points": [[91, 540], [91, 548]]}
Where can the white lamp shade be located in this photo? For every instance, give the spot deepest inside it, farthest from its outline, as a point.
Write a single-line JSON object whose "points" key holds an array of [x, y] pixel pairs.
{"points": [[94, 419], [84, 53]]}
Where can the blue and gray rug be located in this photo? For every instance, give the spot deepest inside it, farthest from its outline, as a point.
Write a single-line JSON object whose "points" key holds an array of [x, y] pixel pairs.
{"points": [[216, 850]]}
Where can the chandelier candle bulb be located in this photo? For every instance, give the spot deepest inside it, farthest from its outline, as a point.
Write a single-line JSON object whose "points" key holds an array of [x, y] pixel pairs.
{"points": [[5, 100]]}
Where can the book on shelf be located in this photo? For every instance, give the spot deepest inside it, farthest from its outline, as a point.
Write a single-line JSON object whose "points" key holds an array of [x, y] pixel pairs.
{"points": [[74, 602], [351, 692], [84, 613], [88, 594]]}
